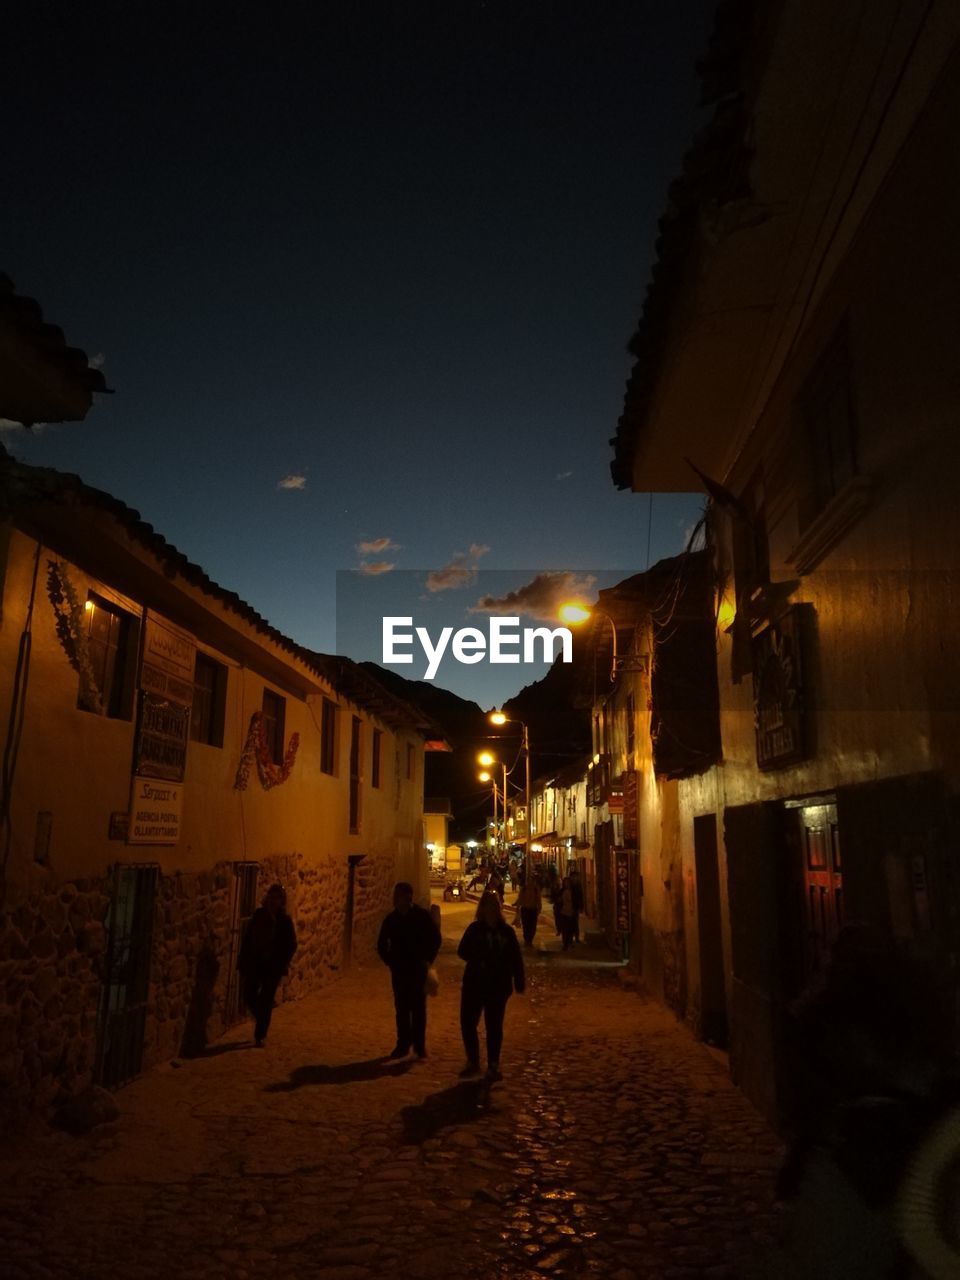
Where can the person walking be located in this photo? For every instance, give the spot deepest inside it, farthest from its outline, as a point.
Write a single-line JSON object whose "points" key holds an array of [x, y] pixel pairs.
{"points": [[268, 946], [408, 944], [530, 903], [566, 913], [494, 971], [576, 885]]}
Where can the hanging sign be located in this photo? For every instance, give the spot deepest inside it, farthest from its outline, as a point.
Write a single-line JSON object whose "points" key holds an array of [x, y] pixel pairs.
{"points": [[169, 660], [777, 693], [621, 872]]}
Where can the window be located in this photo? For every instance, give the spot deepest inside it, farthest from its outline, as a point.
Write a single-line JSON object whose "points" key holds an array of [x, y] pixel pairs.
{"points": [[827, 406], [111, 648], [377, 754], [209, 701], [273, 714], [329, 736], [356, 742], [411, 761], [631, 725]]}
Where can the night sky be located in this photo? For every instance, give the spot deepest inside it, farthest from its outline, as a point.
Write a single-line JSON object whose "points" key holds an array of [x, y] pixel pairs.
{"points": [[358, 272]]}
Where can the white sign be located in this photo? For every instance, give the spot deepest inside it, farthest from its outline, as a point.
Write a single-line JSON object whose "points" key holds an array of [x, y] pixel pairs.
{"points": [[155, 811], [469, 644]]}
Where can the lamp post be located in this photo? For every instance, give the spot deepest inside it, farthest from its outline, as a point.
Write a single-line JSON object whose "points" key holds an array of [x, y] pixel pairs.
{"points": [[574, 613], [486, 776], [498, 718]]}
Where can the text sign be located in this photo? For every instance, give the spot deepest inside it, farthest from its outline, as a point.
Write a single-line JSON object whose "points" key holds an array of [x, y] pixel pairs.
{"points": [[155, 811], [169, 659], [621, 872], [778, 693], [162, 740]]}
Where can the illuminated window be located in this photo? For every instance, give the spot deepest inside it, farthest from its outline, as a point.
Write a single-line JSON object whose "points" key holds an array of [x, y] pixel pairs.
{"points": [[111, 649]]}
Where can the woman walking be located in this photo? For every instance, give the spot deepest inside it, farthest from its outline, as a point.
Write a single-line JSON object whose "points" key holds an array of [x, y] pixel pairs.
{"points": [[494, 971]]}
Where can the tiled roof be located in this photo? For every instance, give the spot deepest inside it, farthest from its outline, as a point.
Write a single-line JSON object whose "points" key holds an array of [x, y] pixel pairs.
{"points": [[23, 486]]}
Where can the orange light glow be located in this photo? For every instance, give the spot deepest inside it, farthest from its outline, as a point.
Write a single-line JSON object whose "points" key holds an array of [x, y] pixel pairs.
{"points": [[573, 612]]}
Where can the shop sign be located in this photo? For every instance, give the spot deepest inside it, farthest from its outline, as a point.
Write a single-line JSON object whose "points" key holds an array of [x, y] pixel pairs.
{"points": [[778, 693], [621, 873], [155, 811], [162, 738], [169, 660], [630, 808]]}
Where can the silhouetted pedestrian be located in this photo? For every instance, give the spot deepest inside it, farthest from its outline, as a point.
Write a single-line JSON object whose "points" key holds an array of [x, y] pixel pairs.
{"points": [[408, 944], [494, 971], [268, 947], [531, 904], [566, 913], [576, 885]]}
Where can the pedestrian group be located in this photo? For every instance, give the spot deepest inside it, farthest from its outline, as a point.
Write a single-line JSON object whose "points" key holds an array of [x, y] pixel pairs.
{"points": [[408, 943]]}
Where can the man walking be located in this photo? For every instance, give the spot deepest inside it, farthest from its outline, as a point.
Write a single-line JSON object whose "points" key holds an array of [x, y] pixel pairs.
{"points": [[266, 951], [408, 944]]}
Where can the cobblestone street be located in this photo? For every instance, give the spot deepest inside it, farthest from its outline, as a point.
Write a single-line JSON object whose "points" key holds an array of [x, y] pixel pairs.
{"points": [[614, 1146]]}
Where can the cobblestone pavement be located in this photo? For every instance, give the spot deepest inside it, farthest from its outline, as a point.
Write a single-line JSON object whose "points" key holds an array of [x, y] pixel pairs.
{"points": [[614, 1147]]}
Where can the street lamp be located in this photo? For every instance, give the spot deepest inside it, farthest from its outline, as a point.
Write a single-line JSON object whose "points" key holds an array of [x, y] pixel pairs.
{"points": [[498, 718], [487, 759], [574, 613]]}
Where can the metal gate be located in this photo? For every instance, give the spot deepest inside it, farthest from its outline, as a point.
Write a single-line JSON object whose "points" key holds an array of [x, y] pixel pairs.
{"points": [[123, 1007], [241, 909]]}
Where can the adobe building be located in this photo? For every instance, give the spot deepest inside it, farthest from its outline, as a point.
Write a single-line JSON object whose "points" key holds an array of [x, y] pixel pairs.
{"points": [[798, 347], [167, 755]]}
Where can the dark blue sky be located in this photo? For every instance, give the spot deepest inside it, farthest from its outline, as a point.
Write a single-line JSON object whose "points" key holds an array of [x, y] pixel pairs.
{"points": [[395, 249]]}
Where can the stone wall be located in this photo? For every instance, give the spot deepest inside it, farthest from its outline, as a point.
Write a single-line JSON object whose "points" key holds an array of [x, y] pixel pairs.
{"points": [[53, 949], [52, 946]]}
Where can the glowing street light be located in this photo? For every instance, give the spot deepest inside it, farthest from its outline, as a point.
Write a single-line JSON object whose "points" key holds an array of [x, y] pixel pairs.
{"points": [[499, 718], [573, 612]]}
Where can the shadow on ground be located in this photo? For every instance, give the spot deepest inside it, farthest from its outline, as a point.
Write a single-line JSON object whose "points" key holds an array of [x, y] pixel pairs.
{"points": [[345, 1073], [460, 1104], [214, 1050]]}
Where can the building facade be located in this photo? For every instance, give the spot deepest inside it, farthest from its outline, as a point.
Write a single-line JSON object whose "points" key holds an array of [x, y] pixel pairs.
{"points": [[798, 347], [168, 755]]}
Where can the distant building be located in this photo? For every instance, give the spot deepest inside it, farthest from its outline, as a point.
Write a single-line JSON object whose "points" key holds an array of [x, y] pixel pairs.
{"points": [[799, 346], [167, 755]]}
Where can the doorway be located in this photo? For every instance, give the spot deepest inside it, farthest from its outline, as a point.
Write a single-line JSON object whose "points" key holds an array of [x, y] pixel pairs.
{"points": [[353, 861], [126, 986], [822, 869], [242, 906], [713, 986]]}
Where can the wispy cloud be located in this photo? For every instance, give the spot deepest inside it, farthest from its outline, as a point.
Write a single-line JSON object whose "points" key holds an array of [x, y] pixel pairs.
{"points": [[7, 424], [460, 572], [373, 568], [292, 481], [541, 597], [97, 361], [376, 546], [564, 475]]}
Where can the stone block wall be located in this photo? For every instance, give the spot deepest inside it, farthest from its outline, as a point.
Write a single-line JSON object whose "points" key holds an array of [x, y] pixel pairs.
{"points": [[53, 950], [52, 947]]}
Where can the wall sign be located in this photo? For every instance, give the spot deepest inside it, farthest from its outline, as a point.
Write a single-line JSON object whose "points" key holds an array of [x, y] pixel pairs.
{"points": [[162, 738], [631, 808], [778, 693], [169, 660], [621, 873], [155, 811]]}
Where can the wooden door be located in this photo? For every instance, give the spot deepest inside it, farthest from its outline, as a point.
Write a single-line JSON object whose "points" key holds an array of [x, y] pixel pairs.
{"points": [[823, 882]]}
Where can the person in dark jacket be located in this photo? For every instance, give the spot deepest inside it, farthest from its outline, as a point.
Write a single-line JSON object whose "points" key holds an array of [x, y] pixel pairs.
{"points": [[268, 946], [408, 944], [494, 971]]}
